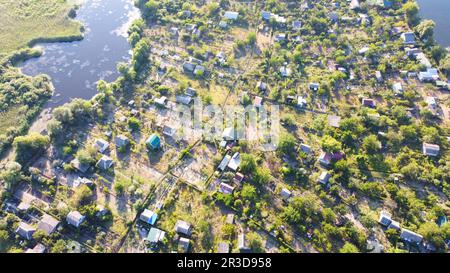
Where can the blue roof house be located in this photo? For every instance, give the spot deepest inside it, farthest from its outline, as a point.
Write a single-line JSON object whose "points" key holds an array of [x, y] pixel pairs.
{"points": [[148, 216], [153, 142]]}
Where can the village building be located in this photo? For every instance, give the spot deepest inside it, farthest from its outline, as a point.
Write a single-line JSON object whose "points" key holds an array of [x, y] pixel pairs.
{"points": [[148, 217], [153, 142], [408, 38], [48, 224], [25, 230], [235, 161], [75, 218], [101, 145], [155, 236], [410, 236], [183, 244], [231, 15], [226, 188], [105, 162], [430, 149], [324, 178], [285, 194], [122, 141], [223, 247], [183, 227], [37, 249]]}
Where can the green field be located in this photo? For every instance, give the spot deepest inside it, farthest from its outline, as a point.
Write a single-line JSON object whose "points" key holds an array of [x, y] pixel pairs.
{"points": [[24, 21]]}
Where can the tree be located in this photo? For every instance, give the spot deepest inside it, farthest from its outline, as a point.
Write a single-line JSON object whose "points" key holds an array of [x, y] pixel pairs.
{"points": [[433, 234], [150, 10], [348, 248], [330, 144], [262, 175], [81, 196], [371, 144], [4, 238], [254, 242], [60, 246], [12, 174], [248, 163], [85, 156], [29, 146], [134, 123], [248, 192], [445, 64], [251, 38], [411, 10], [286, 144], [425, 29]]}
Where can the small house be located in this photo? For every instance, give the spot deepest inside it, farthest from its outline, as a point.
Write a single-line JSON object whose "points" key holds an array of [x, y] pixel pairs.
{"points": [[398, 88], [301, 102], [296, 25], [83, 168], [235, 161], [25, 230], [155, 236], [228, 134], [183, 244], [148, 217], [101, 145], [334, 121], [105, 162], [48, 224], [410, 237], [378, 76], [408, 38], [75, 218], [169, 131], [266, 15], [191, 92], [39, 248], [231, 15], [305, 148], [285, 194], [285, 71], [224, 163], [430, 149], [223, 247], [189, 67], [226, 188], [314, 86], [324, 178], [280, 37], [122, 141], [162, 101], [242, 244], [230, 218], [385, 218], [183, 227], [368, 102], [262, 86], [153, 142], [184, 99], [257, 102], [238, 178]]}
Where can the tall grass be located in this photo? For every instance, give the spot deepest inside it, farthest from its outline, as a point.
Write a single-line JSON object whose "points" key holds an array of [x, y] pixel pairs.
{"points": [[25, 22]]}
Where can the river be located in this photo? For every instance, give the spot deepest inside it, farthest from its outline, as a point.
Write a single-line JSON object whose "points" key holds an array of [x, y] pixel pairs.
{"points": [[75, 67], [439, 12]]}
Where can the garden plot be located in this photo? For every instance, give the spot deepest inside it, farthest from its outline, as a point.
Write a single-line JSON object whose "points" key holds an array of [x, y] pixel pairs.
{"points": [[196, 169]]}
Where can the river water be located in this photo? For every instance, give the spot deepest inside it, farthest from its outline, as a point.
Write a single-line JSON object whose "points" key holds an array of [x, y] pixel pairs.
{"points": [[439, 12], [75, 67]]}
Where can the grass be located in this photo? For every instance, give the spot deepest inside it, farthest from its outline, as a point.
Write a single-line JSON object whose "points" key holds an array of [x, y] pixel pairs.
{"points": [[25, 22], [12, 117]]}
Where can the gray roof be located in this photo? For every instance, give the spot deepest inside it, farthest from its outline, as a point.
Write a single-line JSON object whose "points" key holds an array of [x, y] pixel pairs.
{"points": [[410, 237]]}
